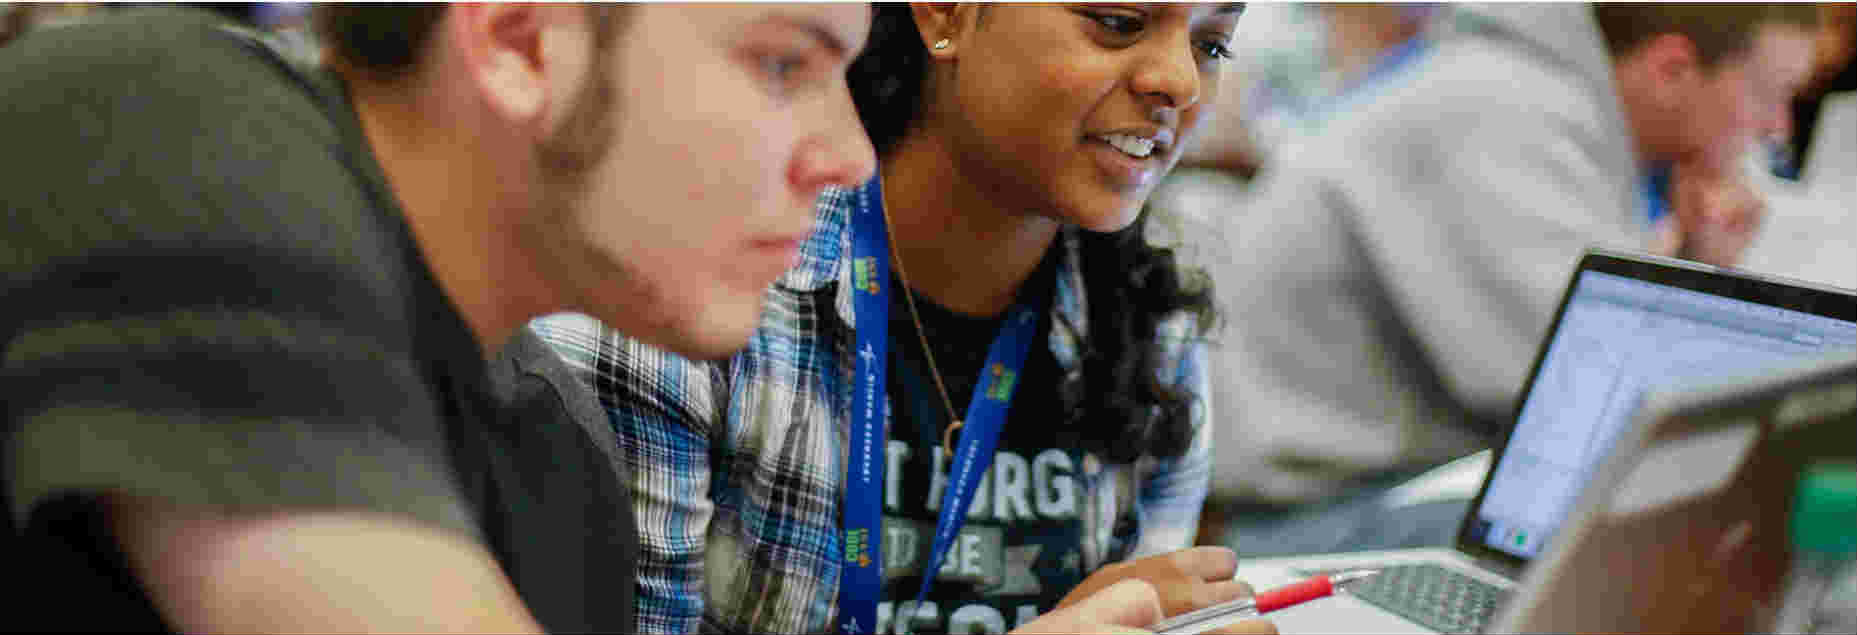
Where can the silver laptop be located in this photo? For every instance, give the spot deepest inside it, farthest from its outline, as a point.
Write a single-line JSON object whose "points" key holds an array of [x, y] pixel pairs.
{"points": [[1628, 324], [1685, 529]]}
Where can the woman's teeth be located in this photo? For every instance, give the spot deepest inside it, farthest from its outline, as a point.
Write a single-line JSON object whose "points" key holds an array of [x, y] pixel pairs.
{"points": [[1138, 147]]}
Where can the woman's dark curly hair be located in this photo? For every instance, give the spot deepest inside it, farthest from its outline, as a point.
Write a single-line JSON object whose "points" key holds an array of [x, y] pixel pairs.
{"points": [[1117, 405]]}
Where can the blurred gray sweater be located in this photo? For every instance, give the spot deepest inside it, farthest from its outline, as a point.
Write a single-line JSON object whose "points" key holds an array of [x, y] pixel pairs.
{"points": [[1386, 286]]}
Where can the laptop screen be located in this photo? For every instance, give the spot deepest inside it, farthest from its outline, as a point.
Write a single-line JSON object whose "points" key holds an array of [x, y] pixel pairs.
{"points": [[1619, 338]]}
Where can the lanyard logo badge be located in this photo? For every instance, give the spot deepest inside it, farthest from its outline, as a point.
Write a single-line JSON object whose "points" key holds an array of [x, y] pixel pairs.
{"points": [[864, 274], [857, 547], [1000, 388]]}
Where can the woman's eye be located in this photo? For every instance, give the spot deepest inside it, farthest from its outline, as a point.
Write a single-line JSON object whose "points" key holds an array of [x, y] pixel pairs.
{"points": [[1215, 49], [1118, 24]]}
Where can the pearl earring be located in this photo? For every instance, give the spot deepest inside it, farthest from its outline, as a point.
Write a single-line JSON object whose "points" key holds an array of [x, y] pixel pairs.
{"points": [[941, 44]]}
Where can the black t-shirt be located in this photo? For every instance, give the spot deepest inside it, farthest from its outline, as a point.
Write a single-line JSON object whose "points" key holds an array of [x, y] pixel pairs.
{"points": [[211, 297], [1020, 550]]}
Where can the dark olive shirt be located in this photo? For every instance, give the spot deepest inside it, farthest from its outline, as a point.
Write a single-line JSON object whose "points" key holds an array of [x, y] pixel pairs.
{"points": [[210, 296]]}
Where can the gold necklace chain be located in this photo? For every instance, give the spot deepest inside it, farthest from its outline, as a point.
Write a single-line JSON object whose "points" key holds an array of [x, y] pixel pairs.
{"points": [[909, 297]]}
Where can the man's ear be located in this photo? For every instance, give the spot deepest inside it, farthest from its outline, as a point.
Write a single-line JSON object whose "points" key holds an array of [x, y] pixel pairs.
{"points": [[524, 60]]}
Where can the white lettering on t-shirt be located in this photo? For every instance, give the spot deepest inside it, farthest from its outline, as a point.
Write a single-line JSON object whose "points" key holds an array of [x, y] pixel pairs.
{"points": [[900, 545], [896, 456], [963, 559], [927, 616], [1009, 484], [1056, 493], [976, 618], [983, 501], [938, 478], [1013, 490]]}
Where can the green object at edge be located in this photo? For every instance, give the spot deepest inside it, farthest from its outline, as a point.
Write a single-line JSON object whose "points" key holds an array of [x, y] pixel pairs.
{"points": [[1824, 516]]}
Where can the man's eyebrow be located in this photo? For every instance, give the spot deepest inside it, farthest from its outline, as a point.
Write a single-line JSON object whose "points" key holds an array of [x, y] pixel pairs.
{"points": [[1230, 8], [812, 27]]}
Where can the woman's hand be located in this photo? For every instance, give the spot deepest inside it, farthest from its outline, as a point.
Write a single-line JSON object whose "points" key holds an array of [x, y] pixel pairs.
{"points": [[1183, 580], [1127, 606]]}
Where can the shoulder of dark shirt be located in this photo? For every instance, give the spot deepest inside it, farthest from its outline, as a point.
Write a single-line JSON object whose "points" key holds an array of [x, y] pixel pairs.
{"points": [[159, 135]]}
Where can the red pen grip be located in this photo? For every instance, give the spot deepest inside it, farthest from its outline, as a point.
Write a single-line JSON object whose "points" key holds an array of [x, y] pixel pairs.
{"points": [[1294, 594]]}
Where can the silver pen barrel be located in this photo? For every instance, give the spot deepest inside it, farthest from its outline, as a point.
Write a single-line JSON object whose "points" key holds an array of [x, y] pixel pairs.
{"points": [[1211, 617], [1220, 615]]}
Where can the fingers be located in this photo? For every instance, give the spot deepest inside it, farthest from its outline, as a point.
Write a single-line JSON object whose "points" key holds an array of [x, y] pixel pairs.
{"points": [[1128, 606], [1189, 595], [1247, 627], [1132, 603], [1209, 563], [1208, 594], [1175, 574]]}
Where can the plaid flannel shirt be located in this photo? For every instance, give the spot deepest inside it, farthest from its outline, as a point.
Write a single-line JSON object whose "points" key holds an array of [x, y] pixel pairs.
{"points": [[737, 467]]}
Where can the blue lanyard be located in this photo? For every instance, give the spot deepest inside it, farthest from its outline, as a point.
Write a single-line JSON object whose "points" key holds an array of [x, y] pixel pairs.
{"points": [[862, 580], [1656, 192], [861, 584]]}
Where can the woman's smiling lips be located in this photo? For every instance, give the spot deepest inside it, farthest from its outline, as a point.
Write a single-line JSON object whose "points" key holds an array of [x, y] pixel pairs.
{"points": [[1130, 158]]}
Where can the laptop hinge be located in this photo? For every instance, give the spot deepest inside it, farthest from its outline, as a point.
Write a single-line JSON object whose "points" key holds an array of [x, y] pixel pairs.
{"points": [[1505, 570]]}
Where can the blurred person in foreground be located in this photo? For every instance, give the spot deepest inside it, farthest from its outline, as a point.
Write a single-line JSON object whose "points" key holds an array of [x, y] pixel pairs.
{"points": [[1390, 282], [1017, 146], [249, 304]]}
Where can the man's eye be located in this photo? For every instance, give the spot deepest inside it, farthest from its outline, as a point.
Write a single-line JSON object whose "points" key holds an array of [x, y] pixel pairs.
{"points": [[782, 72], [781, 68]]}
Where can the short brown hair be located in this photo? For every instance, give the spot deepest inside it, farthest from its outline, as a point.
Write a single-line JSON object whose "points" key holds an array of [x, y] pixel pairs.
{"points": [[381, 41], [1718, 31], [385, 41]]}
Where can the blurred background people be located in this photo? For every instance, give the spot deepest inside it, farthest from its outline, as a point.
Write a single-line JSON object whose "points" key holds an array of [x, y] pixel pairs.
{"points": [[1389, 279], [1292, 63], [1833, 78], [1294, 66], [1810, 226]]}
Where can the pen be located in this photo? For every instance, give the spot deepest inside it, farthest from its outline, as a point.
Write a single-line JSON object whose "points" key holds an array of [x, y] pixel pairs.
{"points": [[1215, 616]]}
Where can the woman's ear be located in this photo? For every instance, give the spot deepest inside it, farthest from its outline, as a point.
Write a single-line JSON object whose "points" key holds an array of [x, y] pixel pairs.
{"points": [[942, 26]]}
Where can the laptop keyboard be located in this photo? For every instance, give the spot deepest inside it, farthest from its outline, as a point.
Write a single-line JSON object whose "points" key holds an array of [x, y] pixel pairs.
{"points": [[1433, 596]]}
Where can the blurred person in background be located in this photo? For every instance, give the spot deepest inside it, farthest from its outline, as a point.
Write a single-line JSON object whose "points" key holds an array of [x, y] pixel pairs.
{"points": [[249, 303], [1017, 145], [1390, 281], [1832, 73], [1809, 189], [1281, 89], [1292, 63]]}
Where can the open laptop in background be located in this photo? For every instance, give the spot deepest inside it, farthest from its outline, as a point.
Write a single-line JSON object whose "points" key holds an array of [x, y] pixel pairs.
{"points": [[1687, 527], [1628, 324]]}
